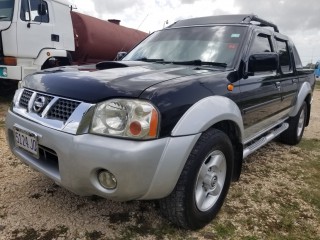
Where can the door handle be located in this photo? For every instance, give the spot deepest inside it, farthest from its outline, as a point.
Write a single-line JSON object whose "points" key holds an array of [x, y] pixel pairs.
{"points": [[55, 38], [278, 85], [295, 81]]}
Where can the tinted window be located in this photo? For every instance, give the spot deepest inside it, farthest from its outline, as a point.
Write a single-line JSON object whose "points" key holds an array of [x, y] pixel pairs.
{"points": [[297, 58], [284, 56], [261, 44], [34, 14]]}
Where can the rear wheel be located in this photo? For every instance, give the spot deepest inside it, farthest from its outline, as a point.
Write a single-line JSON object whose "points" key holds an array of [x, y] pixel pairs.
{"points": [[294, 133], [203, 183]]}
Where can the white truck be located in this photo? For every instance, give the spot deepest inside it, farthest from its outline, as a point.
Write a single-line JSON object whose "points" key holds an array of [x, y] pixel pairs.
{"points": [[32, 32], [39, 34]]}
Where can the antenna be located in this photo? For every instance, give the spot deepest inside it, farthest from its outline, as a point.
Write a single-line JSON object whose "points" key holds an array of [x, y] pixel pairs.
{"points": [[136, 31], [143, 21]]}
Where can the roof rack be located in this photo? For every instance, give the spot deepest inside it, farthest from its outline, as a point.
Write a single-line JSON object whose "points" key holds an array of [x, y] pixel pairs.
{"points": [[262, 23], [225, 19]]}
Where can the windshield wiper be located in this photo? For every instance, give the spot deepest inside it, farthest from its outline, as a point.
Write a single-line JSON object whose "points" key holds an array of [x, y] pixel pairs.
{"points": [[3, 17], [144, 59], [198, 62]]}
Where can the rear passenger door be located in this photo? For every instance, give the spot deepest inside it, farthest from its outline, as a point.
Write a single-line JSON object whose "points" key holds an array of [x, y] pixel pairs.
{"points": [[260, 93], [287, 78]]}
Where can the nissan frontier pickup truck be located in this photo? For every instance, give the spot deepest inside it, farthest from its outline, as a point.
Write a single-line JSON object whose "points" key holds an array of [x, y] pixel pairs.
{"points": [[173, 121]]}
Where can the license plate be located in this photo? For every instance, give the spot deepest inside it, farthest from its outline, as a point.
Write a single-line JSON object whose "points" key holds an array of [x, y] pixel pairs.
{"points": [[26, 140]]}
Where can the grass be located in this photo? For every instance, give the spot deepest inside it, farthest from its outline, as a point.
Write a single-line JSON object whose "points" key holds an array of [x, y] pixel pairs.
{"points": [[94, 235], [312, 166], [225, 230], [55, 233], [2, 124], [317, 87]]}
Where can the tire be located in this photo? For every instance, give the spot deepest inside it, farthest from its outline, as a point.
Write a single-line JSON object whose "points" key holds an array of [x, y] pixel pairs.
{"points": [[294, 133], [203, 183]]}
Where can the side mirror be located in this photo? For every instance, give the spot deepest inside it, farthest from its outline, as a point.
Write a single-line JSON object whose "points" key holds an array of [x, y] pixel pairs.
{"points": [[120, 55], [42, 9], [263, 62]]}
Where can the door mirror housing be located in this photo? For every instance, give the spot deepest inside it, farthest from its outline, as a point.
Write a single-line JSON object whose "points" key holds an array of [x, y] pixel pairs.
{"points": [[263, 62], [121, 55]]}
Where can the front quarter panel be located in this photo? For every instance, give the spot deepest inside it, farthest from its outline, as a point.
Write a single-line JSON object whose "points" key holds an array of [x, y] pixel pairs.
{"points": [[205, 113]]}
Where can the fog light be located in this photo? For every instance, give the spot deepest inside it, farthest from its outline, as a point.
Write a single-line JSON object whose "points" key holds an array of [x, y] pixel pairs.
{"points": [[107, 179]]}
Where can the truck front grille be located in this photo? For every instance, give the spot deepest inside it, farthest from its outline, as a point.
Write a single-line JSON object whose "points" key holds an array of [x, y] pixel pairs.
{"points": [[25, 98], [59, 108], [62, 109]]}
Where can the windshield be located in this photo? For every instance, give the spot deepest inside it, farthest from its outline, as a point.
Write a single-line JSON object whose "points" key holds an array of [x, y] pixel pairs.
{"points": [[214, 44], [6, 10]]}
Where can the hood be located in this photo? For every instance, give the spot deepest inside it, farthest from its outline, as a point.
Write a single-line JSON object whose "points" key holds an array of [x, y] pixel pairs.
{"points": [[92, 85]]}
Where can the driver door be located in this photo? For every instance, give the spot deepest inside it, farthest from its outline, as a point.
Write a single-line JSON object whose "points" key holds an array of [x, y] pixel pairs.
{"points": [[34, 28]]}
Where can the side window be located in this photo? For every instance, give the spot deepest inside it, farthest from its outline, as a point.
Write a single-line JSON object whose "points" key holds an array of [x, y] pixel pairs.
{"points": [[284, 56], [25, 12], [261, 44], [297, 59], [34, 10]]}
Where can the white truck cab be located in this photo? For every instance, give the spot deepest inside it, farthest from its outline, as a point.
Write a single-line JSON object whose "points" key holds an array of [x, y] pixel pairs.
{"points": [[32, 32]]}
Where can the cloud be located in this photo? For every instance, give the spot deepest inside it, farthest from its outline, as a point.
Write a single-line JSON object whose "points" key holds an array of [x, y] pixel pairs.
{"points": [[118, 6], [289, 15], [158, 11], [187, 1], [297, 19]]}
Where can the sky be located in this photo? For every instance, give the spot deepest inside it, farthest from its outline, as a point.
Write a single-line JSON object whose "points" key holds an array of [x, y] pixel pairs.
{"points": [[300, 20]]}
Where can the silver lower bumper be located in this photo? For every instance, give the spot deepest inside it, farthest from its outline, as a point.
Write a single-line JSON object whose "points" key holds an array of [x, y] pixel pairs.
{"points": [[143, 169]]}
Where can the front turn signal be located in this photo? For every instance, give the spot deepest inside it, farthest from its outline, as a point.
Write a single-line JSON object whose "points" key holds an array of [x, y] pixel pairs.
{"points": [[10, 61]]}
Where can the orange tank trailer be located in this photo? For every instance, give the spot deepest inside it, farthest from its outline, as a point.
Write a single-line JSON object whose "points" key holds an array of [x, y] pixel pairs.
{"points": [[97, 40]]}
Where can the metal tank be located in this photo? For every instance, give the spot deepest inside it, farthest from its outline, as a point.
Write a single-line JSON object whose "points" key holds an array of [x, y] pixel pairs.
{"points": [[97, 40]]}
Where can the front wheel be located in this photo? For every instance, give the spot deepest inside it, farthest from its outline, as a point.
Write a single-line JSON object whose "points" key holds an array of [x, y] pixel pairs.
{"points": [[294, 133], [203, 183]]}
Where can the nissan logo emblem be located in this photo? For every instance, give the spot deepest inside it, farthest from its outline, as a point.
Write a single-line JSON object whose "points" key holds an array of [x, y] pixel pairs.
{"points": [[39, 104]]}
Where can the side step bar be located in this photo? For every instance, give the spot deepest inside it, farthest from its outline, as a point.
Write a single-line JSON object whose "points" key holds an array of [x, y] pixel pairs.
{"points": [[264, 140]]}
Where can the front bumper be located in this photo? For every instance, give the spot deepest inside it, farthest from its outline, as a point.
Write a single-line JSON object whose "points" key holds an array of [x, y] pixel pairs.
{"points": [[13, 72], [143, 169]]}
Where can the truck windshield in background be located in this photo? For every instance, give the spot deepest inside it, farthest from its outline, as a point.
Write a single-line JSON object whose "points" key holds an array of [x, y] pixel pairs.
{"points": [[214, 44], [6, 10]]}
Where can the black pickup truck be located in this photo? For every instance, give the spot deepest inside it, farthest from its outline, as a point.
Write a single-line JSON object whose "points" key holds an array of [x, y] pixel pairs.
{"points": [[172, 121]]}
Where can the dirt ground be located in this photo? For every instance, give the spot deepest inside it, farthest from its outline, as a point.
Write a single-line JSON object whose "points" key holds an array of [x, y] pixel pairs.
{"points": [[33, 207]]}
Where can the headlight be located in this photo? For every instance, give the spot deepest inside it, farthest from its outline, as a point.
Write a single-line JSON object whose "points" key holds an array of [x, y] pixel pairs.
{"points": [[126, 118]]}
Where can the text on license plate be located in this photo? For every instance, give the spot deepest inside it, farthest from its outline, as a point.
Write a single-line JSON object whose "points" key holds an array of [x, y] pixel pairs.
{"points": [[26, 140]]}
